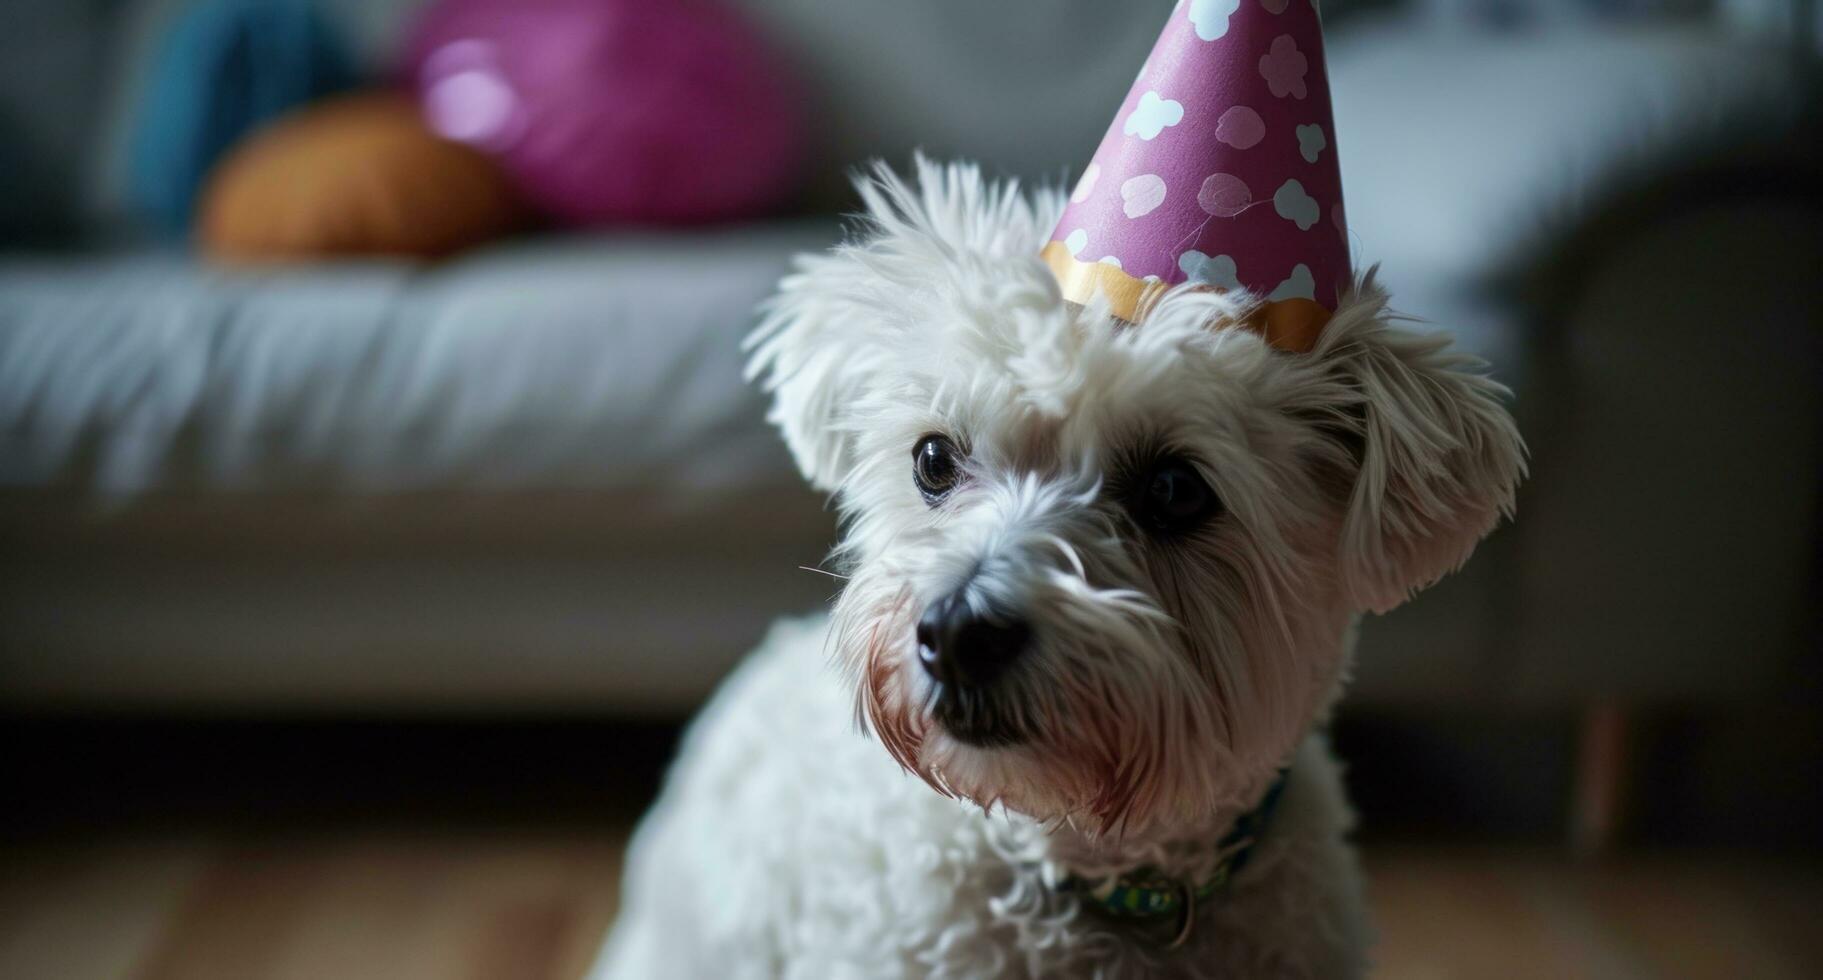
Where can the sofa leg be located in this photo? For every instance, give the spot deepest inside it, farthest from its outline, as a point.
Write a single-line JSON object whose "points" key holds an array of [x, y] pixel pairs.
{"points": [[1598, 803]]}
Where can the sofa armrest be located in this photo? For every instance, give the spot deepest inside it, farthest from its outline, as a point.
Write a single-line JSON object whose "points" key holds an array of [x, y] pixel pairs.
{"points": [[1668, 533]]}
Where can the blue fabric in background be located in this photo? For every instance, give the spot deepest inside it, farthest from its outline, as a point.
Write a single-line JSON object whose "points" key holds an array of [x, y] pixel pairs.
{"points": [[222, 68]]}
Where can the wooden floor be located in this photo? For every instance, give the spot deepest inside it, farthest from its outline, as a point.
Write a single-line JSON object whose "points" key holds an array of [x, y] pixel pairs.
{"points": [[534, 905]]}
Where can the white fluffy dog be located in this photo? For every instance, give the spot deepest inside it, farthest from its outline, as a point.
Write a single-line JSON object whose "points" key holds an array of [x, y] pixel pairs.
{"points": [[1101, 588]]}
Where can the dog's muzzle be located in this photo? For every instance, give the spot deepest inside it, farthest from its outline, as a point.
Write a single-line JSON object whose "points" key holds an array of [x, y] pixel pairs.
{"points": [[967, 649]]}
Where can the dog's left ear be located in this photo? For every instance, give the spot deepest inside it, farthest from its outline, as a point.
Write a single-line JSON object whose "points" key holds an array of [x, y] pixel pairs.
{"points": [[816, 346], [1439, 457]]}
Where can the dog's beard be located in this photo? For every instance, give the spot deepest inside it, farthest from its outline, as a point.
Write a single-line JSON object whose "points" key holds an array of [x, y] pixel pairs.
{"points": [[1122, 727]]}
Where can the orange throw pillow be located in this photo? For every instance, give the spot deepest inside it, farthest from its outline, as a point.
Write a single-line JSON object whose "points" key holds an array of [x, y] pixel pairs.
{"points": [[355, 175]]}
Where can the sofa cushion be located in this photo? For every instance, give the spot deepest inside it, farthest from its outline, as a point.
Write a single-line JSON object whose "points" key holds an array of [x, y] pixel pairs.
{"points": [[598, 362], [224, 68], [356, 175]]}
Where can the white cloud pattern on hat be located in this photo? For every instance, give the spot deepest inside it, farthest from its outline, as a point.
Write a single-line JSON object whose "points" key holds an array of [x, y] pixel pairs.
{"points": [[1224, 195], [1153, 115], [1299, 285], [1211, 17], [1284, 66], [1211, 270], [1141, 195], [1293, 204], [1311, 142], [1240, 127]]}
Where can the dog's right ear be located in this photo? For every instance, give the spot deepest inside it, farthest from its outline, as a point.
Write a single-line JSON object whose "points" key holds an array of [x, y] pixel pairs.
{"points": [[820, 338]]}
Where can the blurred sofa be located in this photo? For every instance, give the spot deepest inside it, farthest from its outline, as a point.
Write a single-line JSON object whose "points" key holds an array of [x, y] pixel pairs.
{"points": [[530, 477]]}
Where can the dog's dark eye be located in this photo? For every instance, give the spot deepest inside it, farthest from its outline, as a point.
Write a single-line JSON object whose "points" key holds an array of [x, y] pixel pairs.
{"points": [[1175, 498], [936, 467]]}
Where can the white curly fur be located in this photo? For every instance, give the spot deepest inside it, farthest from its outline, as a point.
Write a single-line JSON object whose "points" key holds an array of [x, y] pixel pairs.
{"points": [[1167, 680]]}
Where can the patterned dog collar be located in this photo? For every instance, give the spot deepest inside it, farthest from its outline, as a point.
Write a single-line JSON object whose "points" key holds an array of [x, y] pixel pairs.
{"points": [[1144, 894]]}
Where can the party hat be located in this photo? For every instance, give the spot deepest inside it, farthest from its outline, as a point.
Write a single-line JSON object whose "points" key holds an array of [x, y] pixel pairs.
{"points": [[1219, 169]]}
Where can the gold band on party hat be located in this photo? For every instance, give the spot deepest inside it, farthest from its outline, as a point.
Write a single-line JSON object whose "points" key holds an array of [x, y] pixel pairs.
{"points": [[1290, 325]]}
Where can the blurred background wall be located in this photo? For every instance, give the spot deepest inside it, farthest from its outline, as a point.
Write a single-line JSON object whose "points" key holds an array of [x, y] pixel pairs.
{"points": [[353, 377]]}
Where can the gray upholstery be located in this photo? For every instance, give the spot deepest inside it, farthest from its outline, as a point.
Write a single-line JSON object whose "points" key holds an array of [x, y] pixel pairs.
{"points": [[606, 363]]}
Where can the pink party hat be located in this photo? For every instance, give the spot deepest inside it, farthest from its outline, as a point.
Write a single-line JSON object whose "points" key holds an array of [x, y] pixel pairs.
{"points": [[1219, 169]]}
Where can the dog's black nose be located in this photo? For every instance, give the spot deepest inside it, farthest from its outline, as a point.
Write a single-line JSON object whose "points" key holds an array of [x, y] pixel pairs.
{"points": [[967, 647]]}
